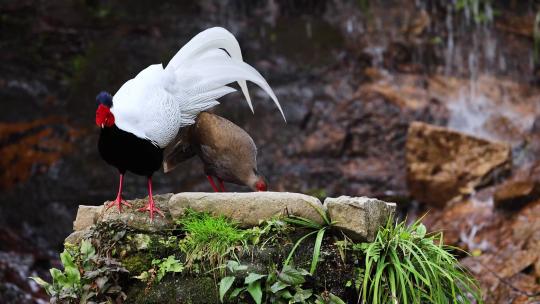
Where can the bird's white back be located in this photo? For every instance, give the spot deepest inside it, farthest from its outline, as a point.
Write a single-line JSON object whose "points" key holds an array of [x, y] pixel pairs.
{"points": [[158, 102]]}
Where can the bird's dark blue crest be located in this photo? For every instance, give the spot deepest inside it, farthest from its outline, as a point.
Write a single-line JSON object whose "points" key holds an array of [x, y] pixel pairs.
{"points": [[104, 98]]}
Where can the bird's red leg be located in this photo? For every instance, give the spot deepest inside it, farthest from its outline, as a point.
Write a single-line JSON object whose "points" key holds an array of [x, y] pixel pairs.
{"points": [[211, 180], [151, 206], [119, 201], [221, 185]]}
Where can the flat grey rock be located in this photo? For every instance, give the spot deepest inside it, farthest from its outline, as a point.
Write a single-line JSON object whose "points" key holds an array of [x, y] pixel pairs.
{"points": [[140, 220], [86, 217], [248, 209], [359, 217]]}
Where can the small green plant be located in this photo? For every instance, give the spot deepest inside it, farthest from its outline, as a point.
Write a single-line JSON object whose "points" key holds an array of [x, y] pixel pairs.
{"points": [[406, 265], [319, 230], [277, 287], [209, 238], [160, 267], [480, 10], [271, 231], [87, 277]]}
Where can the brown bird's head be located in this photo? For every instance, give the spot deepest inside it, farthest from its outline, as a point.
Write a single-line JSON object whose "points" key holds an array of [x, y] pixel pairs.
{"points": [[260, 185], [259, 182]]}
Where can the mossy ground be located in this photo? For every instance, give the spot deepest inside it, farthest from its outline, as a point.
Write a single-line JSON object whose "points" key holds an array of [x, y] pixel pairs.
{"points": [[216, 241], [199, 247]]}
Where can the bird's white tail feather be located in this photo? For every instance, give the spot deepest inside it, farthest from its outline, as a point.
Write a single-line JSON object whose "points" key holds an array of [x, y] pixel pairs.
{"points": [[201, 102], [213, 73], [210, 39]]}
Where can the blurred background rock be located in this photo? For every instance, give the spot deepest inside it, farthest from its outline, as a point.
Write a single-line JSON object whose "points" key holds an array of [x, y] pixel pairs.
{"points": [[351, 75]]}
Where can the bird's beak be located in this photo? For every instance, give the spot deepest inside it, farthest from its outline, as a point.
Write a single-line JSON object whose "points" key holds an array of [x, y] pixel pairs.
{"points": [[102, 125]]}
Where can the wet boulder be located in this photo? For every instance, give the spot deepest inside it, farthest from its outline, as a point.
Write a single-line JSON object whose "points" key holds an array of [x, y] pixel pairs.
{"points": [[442, 163], [514, 194]]}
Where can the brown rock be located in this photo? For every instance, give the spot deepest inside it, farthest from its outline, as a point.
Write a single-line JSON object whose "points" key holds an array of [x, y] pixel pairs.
{"points": [[497, 288], [442, 163], [359, 217], [506, 245], [248, 209], [515, 194], [329, 140], [464, 223], [504, 128], [518, 25], [86, 217]]}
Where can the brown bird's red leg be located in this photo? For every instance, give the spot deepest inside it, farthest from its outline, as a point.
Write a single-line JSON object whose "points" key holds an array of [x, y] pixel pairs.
{"points": [[221, 185], [151, 206], [119, 201], [211, 180]]}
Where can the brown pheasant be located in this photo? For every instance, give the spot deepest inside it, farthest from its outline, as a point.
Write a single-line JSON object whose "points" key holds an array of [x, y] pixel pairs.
{"points": [[226, 150]]}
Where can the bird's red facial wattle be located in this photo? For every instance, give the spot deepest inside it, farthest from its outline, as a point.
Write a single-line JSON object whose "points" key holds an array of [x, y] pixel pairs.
{"points": [[104, 117], [261, 185]]}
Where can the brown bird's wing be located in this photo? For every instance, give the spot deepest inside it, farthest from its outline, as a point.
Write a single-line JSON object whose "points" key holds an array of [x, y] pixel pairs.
{"points": [[227, 151], [181, 150]]}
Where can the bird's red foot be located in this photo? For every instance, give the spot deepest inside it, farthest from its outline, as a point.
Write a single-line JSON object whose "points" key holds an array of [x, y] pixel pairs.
{"points": [[211, 181], [151, 207], [118, 203]]}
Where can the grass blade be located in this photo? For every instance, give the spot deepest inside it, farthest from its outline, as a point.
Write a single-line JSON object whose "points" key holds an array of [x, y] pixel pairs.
{"points": [[317, 250]]}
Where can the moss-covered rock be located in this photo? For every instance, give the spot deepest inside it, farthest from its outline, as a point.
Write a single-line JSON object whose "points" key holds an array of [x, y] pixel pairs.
{"points": [[177, 289], [183, 260], [136, 264]]}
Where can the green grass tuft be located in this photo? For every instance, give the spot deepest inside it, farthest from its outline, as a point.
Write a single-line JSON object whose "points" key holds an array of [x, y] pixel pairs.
{"points": [[406, 265], [209, 238]]}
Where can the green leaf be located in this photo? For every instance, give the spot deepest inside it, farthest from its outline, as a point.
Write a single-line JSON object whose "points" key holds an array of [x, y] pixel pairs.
{"points": [[252, 277], [285, 294], [144, 276], [40, 281], [421, 230], [224, 286], [289, 257], [67, 259], [255, 291], [47, 286], [292, 276], [335, 299], [302, 222], [234, 266], [302, 295], [317, 250], [277, 286], [58, 276], [73, 275], [236, 292], [87, 250]]}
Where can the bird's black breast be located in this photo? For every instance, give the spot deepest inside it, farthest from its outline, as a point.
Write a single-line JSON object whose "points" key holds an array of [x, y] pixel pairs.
{"points": [[128, 152]]}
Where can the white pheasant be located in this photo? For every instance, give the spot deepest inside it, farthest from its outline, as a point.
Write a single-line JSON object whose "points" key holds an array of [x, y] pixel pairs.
{"points": [[147, 112]]}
